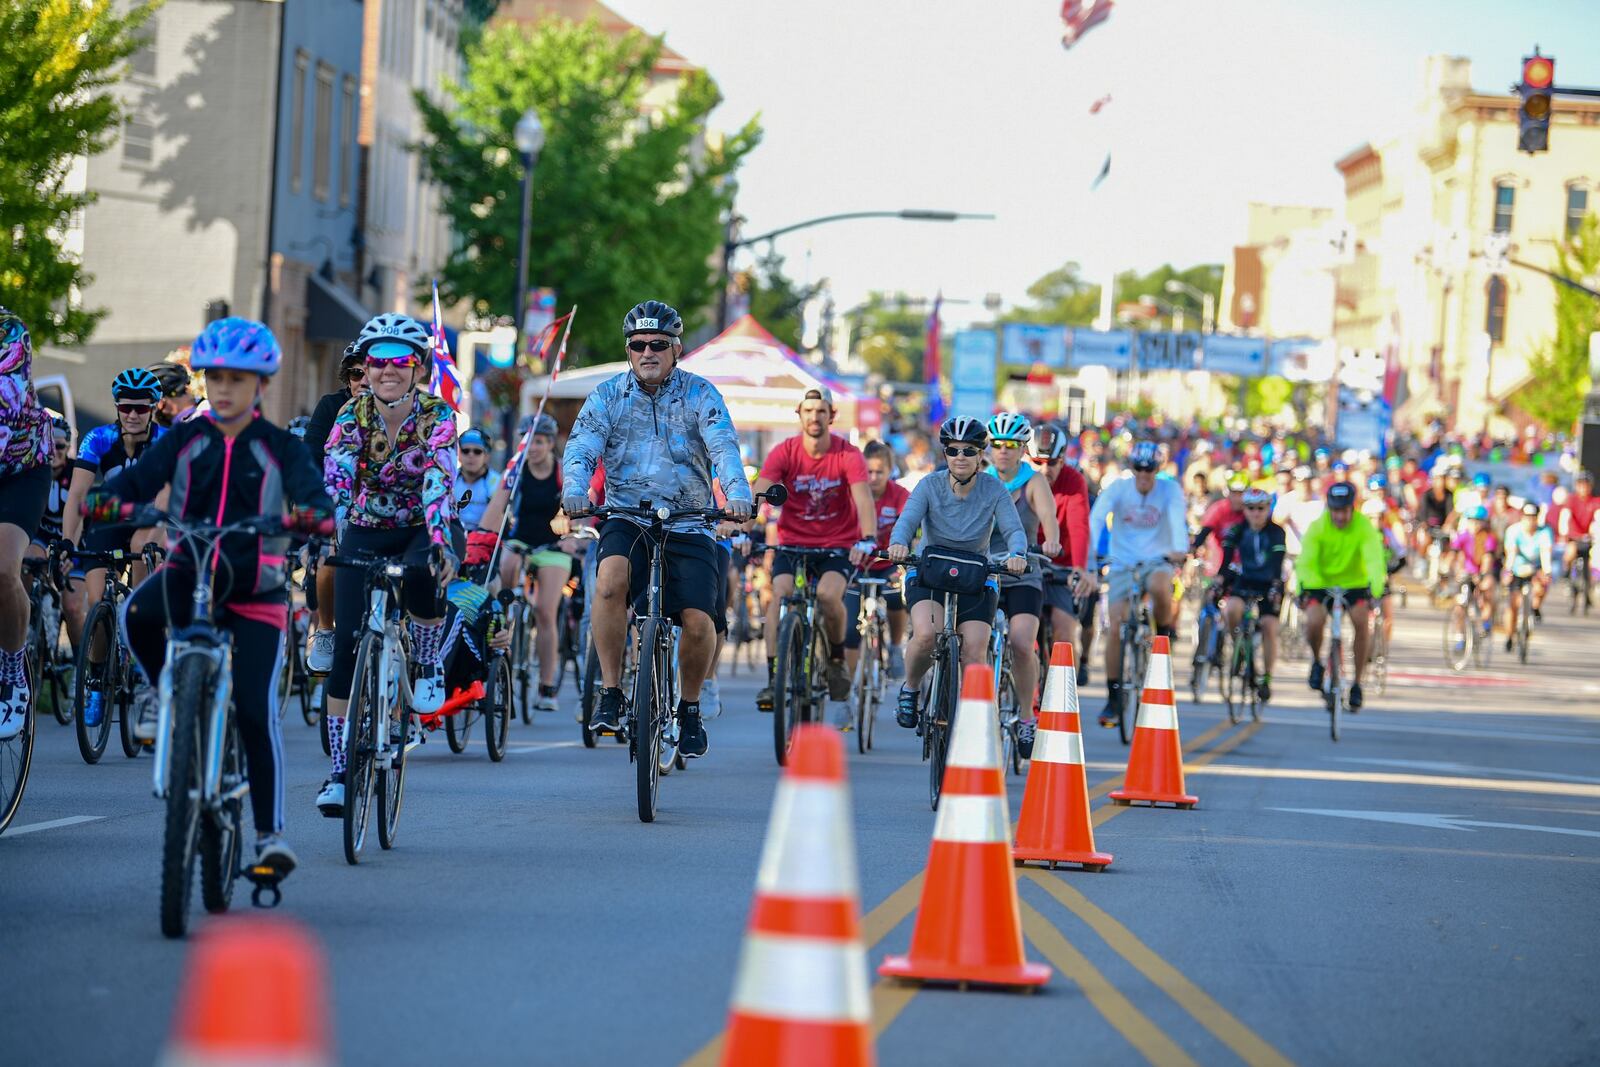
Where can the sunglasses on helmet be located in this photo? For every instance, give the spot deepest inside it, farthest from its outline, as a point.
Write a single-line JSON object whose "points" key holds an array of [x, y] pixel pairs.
{"points": [[657, 345]]}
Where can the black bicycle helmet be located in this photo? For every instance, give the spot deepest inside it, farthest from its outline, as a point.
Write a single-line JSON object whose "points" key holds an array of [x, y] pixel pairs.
{"points": [[350, 360], [174, 378], [964, 430], [652, 316], [1145, 456]]}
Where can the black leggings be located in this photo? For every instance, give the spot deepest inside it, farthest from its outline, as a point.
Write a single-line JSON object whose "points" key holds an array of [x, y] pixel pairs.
{"points": [[257, 646], [419, 594]]}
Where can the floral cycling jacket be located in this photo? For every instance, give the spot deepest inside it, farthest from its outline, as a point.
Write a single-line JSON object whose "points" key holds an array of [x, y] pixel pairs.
{"points": [[382, 486], [25, 440]]}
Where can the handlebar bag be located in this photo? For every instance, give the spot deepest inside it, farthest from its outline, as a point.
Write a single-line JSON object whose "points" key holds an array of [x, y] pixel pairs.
{"points": [[950, 570]]}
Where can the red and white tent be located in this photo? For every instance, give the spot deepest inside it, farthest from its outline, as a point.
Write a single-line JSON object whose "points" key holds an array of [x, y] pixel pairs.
{"points": [[762, 379]]}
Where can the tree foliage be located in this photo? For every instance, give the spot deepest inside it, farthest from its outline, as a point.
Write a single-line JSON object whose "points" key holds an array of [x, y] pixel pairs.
{"points": [[776, 300], [1559, 368], [1061, 298], [890, 334], [1064, 297], [55, 105], [625, 207]]}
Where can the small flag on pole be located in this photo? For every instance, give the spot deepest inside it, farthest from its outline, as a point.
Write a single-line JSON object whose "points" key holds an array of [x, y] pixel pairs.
{"points": [[443, 383], [1079, 20], [931, 365]]}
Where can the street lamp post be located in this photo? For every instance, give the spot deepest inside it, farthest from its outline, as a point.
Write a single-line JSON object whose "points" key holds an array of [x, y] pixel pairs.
{"points": [[1207, 303], [732, 243], [529, 138], [1173, 311]]}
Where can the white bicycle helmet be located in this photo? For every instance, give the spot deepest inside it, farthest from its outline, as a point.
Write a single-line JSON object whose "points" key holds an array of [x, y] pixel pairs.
{"points": [[1009, 426], [392, 326], [1048, 442]]}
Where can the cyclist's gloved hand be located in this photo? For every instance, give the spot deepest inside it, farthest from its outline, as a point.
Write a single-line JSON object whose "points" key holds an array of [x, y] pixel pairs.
{"points": [[862, 551], [101, 506], [574, 503], [741, 510], [480, 546]]}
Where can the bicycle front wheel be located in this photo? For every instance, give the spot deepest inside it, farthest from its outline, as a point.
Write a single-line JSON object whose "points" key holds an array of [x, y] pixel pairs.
{"points": [[649, 698], [497, 708], [16, 754], [392, 779], [1458, 638], [191, 691], [939, 719], [789, 684], [588, 693], [95, 678], [1228, 680], [522, 660], [1133, 661], [864, 688], [1333, 695], [361, 745], [1010, 714], [221, 831]]}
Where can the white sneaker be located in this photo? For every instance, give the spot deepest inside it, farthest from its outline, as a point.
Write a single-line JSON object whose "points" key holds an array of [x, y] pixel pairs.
{"points": [[275, 852], [331, 800], [145, 711], [710, 698], [545, 703], [319, 658], [427, 691]]}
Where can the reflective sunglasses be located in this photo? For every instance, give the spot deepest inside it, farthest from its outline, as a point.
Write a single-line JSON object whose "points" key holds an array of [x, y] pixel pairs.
{"points": [[969, 451], [390, 352], [133, 409], [657, 345], [1007, 445]]}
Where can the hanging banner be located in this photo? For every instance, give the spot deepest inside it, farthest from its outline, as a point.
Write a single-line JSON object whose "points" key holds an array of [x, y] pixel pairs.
{"points": [[1023, 345], [974, 355], [1159, 350], [1302, 359], [1244, 357], [1101, 348]]}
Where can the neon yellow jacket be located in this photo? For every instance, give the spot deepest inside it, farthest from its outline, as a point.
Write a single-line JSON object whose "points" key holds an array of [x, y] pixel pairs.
{"points": [[1347, 559]]}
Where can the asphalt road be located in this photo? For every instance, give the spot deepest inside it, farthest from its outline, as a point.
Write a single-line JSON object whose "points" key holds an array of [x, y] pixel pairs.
{"points": [[1423, 891]]}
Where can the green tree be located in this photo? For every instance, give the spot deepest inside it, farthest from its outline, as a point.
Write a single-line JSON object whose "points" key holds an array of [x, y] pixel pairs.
{"points": [[1559, 368], [890, 334], [1064, 297], [1061, 298], [776, 300], [1131, 286], [625, 208], [61, 58]]}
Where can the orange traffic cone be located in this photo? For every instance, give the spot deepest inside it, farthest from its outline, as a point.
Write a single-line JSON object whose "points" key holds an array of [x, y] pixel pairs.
{"points": [[969, 927], [253, 993], [1055, 824], [800, 997], [1155, 764]]}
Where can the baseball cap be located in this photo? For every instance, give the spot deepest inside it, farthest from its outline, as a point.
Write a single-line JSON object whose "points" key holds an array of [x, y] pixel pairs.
{"points": [[1341, 495], [818, 392]]}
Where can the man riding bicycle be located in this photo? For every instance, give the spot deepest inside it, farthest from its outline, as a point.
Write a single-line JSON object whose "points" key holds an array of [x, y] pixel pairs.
{"points": [[953, 508], [391, 463], [829, 506], [1576, 524], [663, 434], [1047, 451], [1341, 550], [1528, 563], [1148, 529], [1252, 569], [229, 464]]}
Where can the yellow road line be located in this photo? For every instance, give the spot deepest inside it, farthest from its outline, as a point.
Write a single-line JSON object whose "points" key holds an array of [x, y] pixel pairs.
{"points": [[1118, 1010], [1250, 1047]]}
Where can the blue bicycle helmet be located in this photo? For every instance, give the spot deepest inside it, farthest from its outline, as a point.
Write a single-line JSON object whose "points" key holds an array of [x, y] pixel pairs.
{"points": [[135, 383], [1479, 514], [236, 344]]}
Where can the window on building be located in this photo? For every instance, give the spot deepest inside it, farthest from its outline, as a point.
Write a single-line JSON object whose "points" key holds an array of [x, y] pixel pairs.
{"points": [[297, 121], [143, 62], [1577, 207], [138, 140], [1495, 319], [322, 134], [1505, 200], [347, 141]]}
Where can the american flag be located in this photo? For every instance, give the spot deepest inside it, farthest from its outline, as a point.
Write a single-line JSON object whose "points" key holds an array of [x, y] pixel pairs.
{"points": [[444, 382], [1079, 19]]}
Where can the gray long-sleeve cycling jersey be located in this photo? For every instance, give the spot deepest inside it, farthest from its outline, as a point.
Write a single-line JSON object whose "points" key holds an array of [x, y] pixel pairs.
{"points": [[960, 522], [664, 447]]}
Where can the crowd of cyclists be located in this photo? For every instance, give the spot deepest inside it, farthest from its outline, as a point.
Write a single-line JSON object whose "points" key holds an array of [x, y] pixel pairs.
{"points": [[1082, 528]]}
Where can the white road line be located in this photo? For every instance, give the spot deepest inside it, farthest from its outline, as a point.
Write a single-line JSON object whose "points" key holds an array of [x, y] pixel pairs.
{"points": [[1467, 768], [1311, 774], [1320, 722], [51, 824], [1437, 822]]}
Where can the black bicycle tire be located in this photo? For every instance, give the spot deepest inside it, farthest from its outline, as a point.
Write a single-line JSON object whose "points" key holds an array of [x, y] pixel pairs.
{"points": [[456, 731], [1228, 677], [48, 668], [359, 775], [1010, 744], [588, 692], [322, 720], [944, 696], [91, 749], [180, 835], [222, 838], [392, 782], [1128, 719], [11, 797], [1334, 687], [647, 725], [1200, 666], [788, 683], [1255, 675], [497, 708], [522, 660]]}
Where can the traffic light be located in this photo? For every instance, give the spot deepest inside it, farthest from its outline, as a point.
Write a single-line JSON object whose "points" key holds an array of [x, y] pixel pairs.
{"points": [[1533, 120]]}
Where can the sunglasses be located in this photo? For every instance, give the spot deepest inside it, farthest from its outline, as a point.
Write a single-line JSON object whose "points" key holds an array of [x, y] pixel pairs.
{"points": [[472, 451], [355, 374], [1255, 507], [654, 346], [968, 451], [1007, 445], [133, 409]]}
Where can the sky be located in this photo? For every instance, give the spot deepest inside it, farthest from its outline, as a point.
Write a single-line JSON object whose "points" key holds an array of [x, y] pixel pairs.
{"points": [[973, 105]]}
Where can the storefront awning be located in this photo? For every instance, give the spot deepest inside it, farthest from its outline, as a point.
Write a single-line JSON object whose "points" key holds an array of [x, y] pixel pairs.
{"points": [[332, 313]]}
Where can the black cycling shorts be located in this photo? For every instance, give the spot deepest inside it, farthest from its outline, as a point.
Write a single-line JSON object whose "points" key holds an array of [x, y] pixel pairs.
{"points": [[1021, 600], [106, 538], [893, 599], [979, 608], [789, 562], [690, 562], [1269, 598], [1323, 597], [23, 498]]}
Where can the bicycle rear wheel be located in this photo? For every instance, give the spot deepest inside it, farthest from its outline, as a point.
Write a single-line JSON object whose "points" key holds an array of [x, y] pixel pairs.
{"points": [[790, 686], [1333, 692], [361, 745], [1228, 680], [16, 753], [191, 691], [522, 659], [222, 832], [497, 708], [392, 779], [1134, 658], [588, 693], [649, 694], [95, 678]]}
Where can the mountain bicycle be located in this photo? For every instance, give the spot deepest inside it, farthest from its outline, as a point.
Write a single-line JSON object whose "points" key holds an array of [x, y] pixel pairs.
{"points": [[44, 637], [799, 691], [651, 713], [872, 661], [1466, 630], [112, 677], [377, 734]]}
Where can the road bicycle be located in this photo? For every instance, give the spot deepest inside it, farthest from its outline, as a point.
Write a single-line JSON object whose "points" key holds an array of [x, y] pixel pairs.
{"points": [[651, 713], [1581, 578], [16, 752], [1209, 629], [1137, 630], [939, 694], [1335, 690], [1522, 587], [112, 677], [1240, 677], [493, 671], [377, 724], [872, 661], [44, 638], [198, 769], [799, 691], [1378, 645], [1466, 629]]}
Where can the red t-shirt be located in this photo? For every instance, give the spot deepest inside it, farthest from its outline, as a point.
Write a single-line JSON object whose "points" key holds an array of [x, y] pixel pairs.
{"points": [[1219, 518], [888, 508], [1580, 515], [1071, 490], [820, 512]]}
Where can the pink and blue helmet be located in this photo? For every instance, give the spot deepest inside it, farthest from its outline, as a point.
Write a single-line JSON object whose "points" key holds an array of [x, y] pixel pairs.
{"points": [[236, 344]]}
